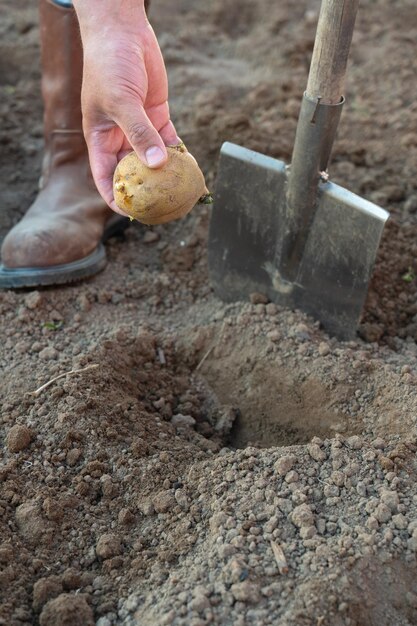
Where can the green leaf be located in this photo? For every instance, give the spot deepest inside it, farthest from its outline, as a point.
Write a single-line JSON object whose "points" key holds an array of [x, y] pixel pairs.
{"points": [[409, 276], [53, 325]]}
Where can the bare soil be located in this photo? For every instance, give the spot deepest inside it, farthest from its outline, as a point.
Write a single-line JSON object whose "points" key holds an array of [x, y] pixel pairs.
{"points": [[210, 463]]}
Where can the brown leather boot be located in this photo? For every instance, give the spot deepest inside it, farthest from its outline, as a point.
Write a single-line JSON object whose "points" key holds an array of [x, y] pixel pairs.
{"points": [[59, 238]]}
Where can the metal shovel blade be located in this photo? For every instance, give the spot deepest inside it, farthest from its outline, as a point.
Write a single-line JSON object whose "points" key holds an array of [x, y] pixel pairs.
{"points": [[247, 229]]}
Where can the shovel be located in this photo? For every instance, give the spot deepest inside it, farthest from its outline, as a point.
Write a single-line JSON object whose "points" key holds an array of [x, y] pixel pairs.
{"points": [[286, 231]]}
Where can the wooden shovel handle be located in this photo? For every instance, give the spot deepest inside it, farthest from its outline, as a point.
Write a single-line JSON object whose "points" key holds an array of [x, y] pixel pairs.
{"points": [[331, 50]]}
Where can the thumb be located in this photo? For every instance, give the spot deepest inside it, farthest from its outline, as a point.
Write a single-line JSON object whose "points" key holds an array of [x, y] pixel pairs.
{"points": [[143, 136]]}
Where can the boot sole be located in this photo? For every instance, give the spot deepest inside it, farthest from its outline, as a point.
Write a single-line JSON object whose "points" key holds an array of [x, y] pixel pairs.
{"points": [[21, 277]]}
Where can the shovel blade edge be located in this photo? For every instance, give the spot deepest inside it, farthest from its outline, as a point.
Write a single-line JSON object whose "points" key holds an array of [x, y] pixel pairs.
{"points": [[246, 230]]}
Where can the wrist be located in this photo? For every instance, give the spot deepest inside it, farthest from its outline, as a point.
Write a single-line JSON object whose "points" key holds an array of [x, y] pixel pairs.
{"points": [[107, 16]]}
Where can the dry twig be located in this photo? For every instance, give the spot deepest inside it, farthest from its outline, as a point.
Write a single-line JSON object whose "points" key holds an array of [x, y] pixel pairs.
{"points": [[209, 351], [70, 373]]}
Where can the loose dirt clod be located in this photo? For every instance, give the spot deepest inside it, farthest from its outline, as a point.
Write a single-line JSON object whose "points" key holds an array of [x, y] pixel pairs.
{"points": [[67, 610], [108, 545], [19, 438]]}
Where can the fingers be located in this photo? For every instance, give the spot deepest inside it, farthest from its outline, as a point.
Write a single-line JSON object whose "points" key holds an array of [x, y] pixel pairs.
{"points": [[133, 128], [103, 162], [169, 135], [142, 136]]}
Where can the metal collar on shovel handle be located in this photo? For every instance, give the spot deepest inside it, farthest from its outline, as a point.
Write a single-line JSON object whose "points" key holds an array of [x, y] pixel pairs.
{"points": [[319, 117], [287, 232]]}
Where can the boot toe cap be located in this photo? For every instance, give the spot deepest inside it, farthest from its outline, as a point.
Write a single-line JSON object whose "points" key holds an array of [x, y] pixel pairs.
{"points": [[40, 247]]}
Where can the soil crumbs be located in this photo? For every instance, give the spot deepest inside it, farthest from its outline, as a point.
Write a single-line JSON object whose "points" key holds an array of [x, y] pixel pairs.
{"points": [[207, 463]]}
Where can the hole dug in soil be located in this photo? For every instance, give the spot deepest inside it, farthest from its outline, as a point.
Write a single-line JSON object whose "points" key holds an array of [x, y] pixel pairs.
{"points": [[274, 409], [287, 391], [273, 405]]}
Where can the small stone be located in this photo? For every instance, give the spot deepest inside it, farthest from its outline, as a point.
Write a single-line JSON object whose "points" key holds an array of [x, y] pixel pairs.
{"points": [[302, 516], [226, 550], [386, 463], [131, 603], [22, 347], [146, 507], [44, 590], [354, 442], [73, 456], [324, 349], [71, 579], [125, 517], [372, 523], [378, 443], [67, 610], [400, 521], [317, 441], [225, 419], [107, 486], [274, 335], [164, 502], [53, 509], [201, 590], [180, 496], [361, 489], [30, 522], [183, 420], [285, 464], [412, 544], [316, 452], [108, 545], [412, 526], [49, 353], [199, 603], [258, 298], [150, 237], [246, 591], [292, 477], [390, 498], [83, 302], [33, 300], [271, 308], [302, 332], [284, 505], [337, 478], [331, 491], [18, 438], [308, 532], [217, 521], [382, 513], [410, 205], [369, 455], [331, 528]]}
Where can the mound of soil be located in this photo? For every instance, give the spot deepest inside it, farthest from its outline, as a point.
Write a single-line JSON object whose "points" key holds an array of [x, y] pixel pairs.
{"points": [[192, 462]]}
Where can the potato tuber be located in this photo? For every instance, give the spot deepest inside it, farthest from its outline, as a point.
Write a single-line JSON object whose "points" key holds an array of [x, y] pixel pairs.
{"points": [[156, 196]]}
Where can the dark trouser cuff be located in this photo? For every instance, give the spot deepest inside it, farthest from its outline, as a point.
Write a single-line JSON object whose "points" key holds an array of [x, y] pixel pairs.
{"points": [[68, 3], [63, 3]]}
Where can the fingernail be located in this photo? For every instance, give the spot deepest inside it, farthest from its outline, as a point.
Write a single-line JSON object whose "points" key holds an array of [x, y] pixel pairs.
{"points": [[154, 156]]}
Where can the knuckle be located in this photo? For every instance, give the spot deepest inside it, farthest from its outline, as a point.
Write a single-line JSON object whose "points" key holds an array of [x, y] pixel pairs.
{"points": [[139, 133]]}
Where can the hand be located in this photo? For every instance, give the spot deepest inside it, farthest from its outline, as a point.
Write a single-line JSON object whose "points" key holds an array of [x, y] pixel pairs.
{"points": [[124, 92]]}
